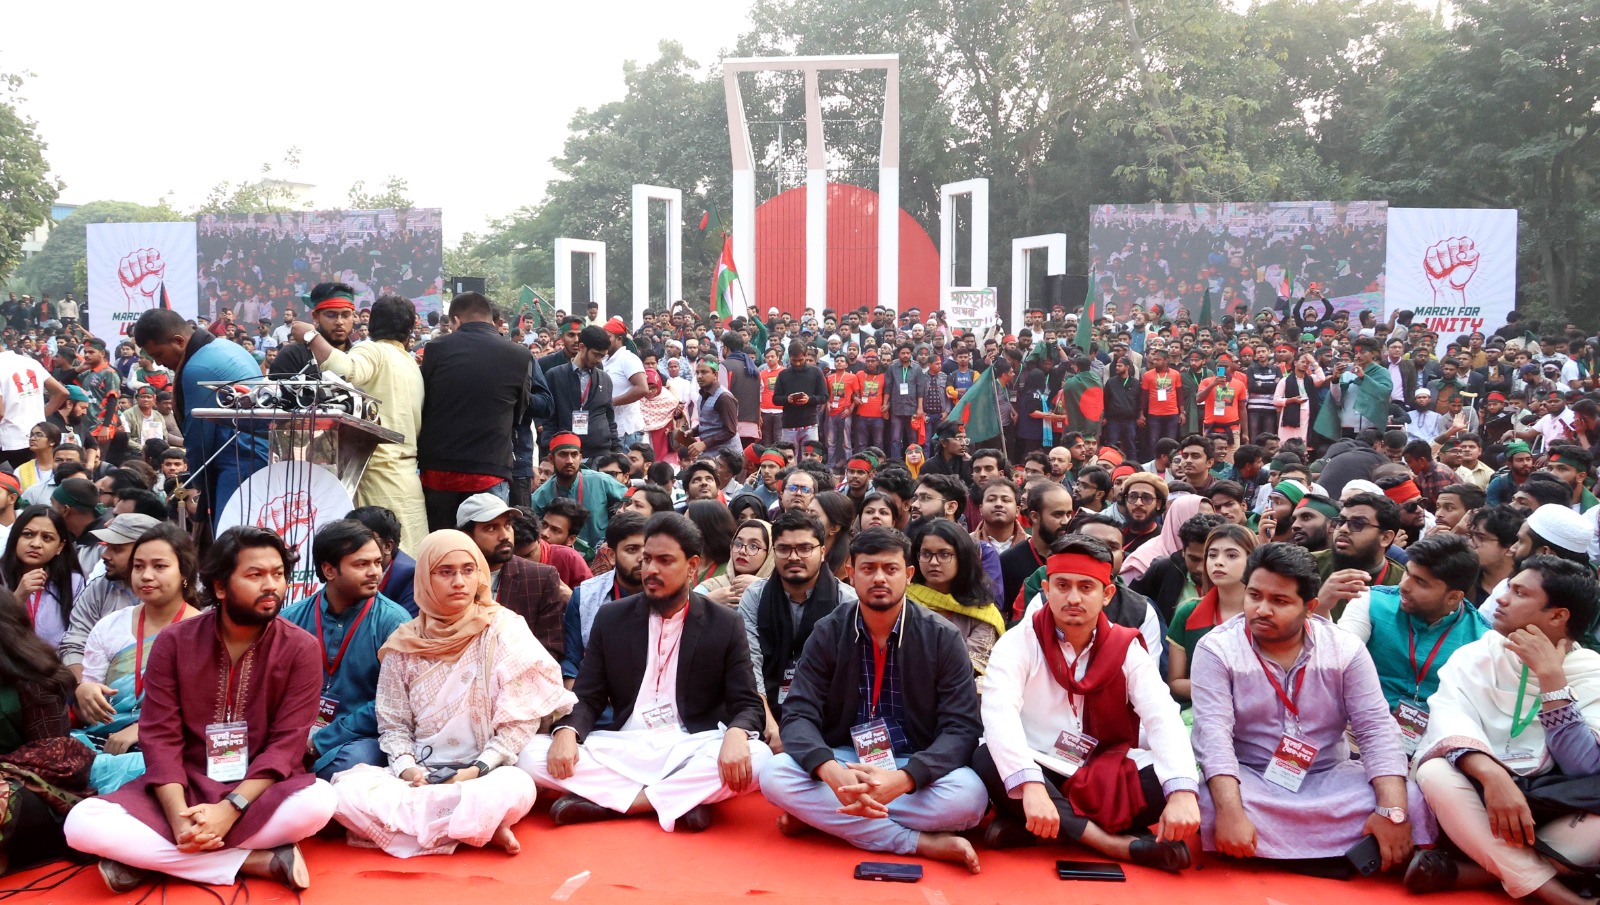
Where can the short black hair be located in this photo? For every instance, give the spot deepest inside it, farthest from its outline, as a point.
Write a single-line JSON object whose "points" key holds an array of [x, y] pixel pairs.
{"points": [[680, 529], [945, 485], [995, 454], [1581, 457], [158, 325], [577, 517], [383, 522], [799, 520], [656, 495], [1233, 490], [1572, 587], [393, 318], [1546, 489], [896, 479], [223, 557], [622, 526], [705, 465], [1289, 561], [1092, 547], [1388, 513], [1471, 495], [1447, 557], [145, 502], [472, 303], [1418, 449], [1200, 441], [595, 338], [1504, 522], [1247, 454], [336, 540], [645, 450], [1198, 527], [880, 540]]}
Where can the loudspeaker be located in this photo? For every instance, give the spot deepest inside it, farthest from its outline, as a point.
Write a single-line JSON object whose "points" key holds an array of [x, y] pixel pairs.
{"points": [[1066, 290], [459, 285]]}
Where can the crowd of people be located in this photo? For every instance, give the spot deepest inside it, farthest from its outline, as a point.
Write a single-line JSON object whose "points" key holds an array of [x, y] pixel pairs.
{"points": [[1290, 590]]}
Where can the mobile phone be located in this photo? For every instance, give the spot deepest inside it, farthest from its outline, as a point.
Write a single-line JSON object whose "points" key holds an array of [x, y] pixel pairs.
{"points": [[1090, 870], [887, 870], [1222, 371], [1365, 856], [441, 774]]}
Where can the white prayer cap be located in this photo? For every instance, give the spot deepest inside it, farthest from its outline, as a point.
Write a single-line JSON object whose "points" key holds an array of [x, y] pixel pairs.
{"points": [[1562, 527], [1358, 486]]}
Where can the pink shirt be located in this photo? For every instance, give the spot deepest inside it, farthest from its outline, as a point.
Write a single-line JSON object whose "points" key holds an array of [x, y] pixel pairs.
{"points": [[660, 683]]}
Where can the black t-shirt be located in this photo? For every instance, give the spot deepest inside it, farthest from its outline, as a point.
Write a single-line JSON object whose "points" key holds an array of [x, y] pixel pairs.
{"points": [[804, 379]]}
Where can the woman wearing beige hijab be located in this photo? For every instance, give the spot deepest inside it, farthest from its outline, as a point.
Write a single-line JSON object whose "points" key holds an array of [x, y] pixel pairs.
{"points": [[751, 560], [462, 689]]}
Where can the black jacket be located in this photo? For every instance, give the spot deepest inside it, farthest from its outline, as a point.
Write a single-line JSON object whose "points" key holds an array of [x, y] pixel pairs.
{"points": [[715, 684], [602, 436], [1346, 461], [476, 393], [1163, 584], [941, 701]]}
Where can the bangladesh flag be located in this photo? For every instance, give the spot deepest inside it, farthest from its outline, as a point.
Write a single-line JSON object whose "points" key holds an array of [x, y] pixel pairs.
{"points": [[1085, 402], [1205, 309], [532, 304], [1372, 402], [1085, 332], [977, 408], [727, 293]]}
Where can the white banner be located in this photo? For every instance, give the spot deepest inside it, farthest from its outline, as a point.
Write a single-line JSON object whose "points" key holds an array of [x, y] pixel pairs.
{"points": [[292, 500], [1456, 268], [134, 267], [972, 310]]}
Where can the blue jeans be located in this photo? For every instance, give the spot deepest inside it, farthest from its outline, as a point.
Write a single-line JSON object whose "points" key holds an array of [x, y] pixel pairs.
{"points": [[953, 802], [900, 435], [838, 439], [1158, 426], [353, 752], [869, 432]]}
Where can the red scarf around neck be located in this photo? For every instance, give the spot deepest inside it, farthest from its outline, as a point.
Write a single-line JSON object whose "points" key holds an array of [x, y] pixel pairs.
{"points": [[1106, 788]]}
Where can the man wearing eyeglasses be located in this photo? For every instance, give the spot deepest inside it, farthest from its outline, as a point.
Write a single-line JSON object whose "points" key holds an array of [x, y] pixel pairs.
{"points": [[1362, 533], [796, 487], [779, 615]]}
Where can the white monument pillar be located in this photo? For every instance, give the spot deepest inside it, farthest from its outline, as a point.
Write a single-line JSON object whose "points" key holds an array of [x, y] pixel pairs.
{"points": [[1055, 248], [642, 196], [978, 190], [596, 253]]}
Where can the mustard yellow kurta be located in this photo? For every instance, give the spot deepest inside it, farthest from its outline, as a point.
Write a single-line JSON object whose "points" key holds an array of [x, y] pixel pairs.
{"points": [[386, 370]]}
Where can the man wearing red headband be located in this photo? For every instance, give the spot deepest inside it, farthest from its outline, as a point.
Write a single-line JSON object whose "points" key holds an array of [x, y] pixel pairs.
{"points": [[1067, 697], [333, 316]]}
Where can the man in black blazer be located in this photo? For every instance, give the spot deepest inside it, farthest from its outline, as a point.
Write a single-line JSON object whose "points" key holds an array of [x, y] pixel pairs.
{"points": [[881, 721], [674, 669], [581, 391]]}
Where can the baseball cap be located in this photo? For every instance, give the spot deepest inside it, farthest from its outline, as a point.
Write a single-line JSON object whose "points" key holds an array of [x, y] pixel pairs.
{"points": [[126, 528], [479, 508]]}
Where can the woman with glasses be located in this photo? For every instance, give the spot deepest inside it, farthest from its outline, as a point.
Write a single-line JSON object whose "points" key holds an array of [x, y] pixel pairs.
{"points": [[43, 439], [462, 690], [1227, 548], [752, 560], [835, 510], [950, 581], [40, 567]]}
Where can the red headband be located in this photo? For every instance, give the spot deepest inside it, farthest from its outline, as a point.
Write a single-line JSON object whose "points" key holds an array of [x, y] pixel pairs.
{"points": [[859, 464], [776, 457], [1078, 564], [1403, 492], [339, 300]]}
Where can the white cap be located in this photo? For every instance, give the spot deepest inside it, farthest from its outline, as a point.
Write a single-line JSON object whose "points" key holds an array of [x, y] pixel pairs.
{"points": [[479, 508], [1562, 527]]}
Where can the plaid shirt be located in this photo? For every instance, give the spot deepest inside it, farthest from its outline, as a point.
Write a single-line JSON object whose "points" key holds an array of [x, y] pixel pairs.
{"points": [[1432, 481], [934, 402], [532, 590], [891, 704]]}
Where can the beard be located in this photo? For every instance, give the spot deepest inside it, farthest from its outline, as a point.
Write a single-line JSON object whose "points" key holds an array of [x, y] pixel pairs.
{"points": [[1315, 541], [500, 555], [1355, 560], [1047, 534], [241, 613], [666, 602], [629, 578]]}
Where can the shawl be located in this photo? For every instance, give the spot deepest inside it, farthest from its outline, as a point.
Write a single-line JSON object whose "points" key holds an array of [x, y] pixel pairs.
{"points": [[780, 639], [440, 632], [726, 578], [934, 600], [1180, 509]]}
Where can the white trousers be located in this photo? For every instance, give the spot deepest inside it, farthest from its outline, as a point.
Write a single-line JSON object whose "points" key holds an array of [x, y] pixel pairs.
{"points": [[694, 781], [405, 820], [95, 826]]}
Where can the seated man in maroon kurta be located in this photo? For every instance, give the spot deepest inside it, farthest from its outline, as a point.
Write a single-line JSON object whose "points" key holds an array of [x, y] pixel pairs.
{"points": [[230, 698]]}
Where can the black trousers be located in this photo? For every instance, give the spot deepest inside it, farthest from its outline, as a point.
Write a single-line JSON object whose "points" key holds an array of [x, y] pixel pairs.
{"points": [[1072, 824]]}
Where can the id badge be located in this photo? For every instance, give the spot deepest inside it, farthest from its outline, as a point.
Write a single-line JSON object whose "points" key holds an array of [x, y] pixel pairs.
{"points": [[661, 717], [1075, 747], [1161, 394], [1219, 408], [783, 689], [1520, 761], [227, 751], [580, 423], [1290, 763], [326, 708], [905, 389], [873, 746], [1413, 720]]}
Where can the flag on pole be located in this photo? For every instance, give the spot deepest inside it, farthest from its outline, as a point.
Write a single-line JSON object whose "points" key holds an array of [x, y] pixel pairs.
{"points": [[977, 408], [727, 293], [1286, 288], [532, 303], [1085, 403], [1086, 319], [1205, 309]]}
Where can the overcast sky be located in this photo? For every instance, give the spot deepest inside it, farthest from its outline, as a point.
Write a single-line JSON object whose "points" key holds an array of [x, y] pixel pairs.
{"points": [[467, 99]]}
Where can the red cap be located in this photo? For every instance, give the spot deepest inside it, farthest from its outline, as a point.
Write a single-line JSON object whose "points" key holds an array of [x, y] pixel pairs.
{"points": [[616, 327]]}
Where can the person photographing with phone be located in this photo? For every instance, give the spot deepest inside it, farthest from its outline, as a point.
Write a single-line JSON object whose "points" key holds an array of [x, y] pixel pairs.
{"points": [[801, 389], [1221, 398]]}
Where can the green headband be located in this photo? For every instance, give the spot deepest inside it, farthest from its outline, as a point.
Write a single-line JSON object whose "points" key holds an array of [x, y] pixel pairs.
{"points": [[1326, 507], [1517, 446], [1567, 460], [1290, 489]]}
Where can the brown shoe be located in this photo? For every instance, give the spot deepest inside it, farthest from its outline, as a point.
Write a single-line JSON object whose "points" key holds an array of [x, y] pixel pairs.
{"points": [[119, 877], [288, 867]]}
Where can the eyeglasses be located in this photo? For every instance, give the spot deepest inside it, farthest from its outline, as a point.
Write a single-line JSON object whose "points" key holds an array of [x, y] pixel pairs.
{"points": [[740, 546], [1479, 537], [1356, 525], [1140, 498], [942, 557], [799, 488], [449, 573], [792, 551]]}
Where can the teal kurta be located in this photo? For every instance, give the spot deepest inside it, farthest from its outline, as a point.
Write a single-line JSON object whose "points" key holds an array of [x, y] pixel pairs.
{"points": [[355, 683], [596, 492], [1390, 644]]}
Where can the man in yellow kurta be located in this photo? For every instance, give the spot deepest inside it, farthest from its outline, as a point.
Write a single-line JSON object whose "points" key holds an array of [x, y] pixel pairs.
{"points": [[385, 369]]}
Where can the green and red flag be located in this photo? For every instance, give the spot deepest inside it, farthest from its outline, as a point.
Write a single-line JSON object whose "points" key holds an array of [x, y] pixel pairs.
{"points": [[978, 409], [1085, 333], [1205, 309], [1084, 400], [727, 293]]}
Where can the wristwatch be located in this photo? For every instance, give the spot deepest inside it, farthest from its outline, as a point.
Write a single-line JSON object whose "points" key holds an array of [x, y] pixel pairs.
{"points": [[1564, 693], [1393, 815], [308, 336], [238, 801], [483, 768]]}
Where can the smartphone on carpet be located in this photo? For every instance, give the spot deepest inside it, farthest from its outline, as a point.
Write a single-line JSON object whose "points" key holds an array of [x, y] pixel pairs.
{"points": [[1090, 870], [884, 870]]}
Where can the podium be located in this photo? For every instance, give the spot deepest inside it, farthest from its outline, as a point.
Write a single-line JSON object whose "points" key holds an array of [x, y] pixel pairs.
{"points": [[338, 441]]}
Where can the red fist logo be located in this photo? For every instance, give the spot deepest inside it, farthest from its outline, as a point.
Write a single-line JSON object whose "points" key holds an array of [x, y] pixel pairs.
{"points": [[142, 273], [1450, 265], [290, 516]]}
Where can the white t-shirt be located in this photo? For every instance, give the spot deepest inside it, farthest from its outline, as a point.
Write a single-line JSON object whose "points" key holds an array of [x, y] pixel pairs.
{"points": [[621, 365], [22, 387]]}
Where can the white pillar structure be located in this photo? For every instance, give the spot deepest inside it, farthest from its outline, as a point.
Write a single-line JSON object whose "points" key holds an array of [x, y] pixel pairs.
{"points": [[642, 196], [596, 253], [744, 175], [978, 190], [1055, 248]]}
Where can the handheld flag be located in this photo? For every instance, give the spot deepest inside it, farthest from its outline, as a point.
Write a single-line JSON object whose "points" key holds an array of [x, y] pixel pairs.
{"points": [[1085, 402], [1085, 332], [977, 408], [727, 294], [1205, 309]]}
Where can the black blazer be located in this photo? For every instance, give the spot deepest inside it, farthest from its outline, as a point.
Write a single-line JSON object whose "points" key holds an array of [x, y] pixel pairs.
{"points": [[715, 683], [477, 392], [941, 700], [602, 436]]}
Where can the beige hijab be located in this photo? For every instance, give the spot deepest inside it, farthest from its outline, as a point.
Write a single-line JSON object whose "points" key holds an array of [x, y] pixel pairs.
{"points": [[441, 632], [726, 578]]}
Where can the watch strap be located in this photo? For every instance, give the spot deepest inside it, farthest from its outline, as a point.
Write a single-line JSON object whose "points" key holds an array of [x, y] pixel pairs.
{"points": [[239, 802], [483, 768], [1564, 693]]}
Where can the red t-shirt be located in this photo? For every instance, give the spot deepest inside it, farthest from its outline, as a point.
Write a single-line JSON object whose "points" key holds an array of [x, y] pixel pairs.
{"points": [[841, 392], [870, 390], [1231, 392], [1154, 384], [769, 380]]}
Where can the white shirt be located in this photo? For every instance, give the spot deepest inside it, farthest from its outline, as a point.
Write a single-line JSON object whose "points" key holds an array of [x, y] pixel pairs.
{"points": [[1150, 629], [622, 365], [659, 685], [1554, 428], [22, 388]]}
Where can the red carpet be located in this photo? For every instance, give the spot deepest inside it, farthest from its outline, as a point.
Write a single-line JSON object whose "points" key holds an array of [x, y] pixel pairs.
{"points": [[743, 858]]}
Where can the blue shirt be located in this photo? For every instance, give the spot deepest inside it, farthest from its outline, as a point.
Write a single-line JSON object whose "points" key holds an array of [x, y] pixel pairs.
{"points": [[597, 493], [217, 360], [1391, 644], [891, 703], [354, 684]]}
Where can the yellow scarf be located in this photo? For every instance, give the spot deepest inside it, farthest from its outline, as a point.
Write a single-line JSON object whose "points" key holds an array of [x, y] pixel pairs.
{"points": [[934, 600]]}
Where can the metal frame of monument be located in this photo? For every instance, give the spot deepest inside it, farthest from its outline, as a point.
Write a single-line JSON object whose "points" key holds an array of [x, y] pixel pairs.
{"points": [[978, 191], [744, 173], [642, 196], [1054, 245], [596, 252]]}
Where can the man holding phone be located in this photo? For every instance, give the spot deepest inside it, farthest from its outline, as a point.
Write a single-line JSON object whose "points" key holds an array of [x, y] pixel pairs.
{"points": [[1221, 398], [801, 389]]}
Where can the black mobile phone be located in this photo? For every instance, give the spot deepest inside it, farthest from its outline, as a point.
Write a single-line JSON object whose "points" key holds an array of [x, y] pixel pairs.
{"points": [[1365, 856], [440, 774], [886, 870], [1090, 870]]}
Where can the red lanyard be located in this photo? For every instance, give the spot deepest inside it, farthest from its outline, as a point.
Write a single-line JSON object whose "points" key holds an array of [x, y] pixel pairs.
{"points": [[880, 657], [1036, 557], [138, 652], [228, 704], [583, 400], [34, 600], [577, 482], [662, 661], [383, 583], [332, 666], [710, 567], [1428, 663], [1288, 702]]}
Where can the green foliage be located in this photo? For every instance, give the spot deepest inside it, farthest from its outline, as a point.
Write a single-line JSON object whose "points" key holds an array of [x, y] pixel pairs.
{"points": [[267, 194], [26, 189], [60, 266], [394, 195]]}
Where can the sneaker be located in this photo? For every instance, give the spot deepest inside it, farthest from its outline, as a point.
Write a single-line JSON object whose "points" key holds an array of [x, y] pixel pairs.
{"points": [[119, 877]]}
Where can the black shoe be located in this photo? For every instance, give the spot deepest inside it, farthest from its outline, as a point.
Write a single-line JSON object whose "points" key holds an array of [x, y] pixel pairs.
{"points": [[1430, 871], [119, 877], [577, 809], [288, 867], [1006, 833], [1170, 855], [697, 820]]}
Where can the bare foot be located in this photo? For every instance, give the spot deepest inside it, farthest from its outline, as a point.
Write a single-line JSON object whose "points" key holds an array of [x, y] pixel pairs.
{"points": [[790, 825], [503, 838], [948, 847]]}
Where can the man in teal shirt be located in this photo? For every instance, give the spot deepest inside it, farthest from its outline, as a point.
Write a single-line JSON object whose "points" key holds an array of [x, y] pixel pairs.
{"points": [[351, 621], [1411, 630], [598, 494]]}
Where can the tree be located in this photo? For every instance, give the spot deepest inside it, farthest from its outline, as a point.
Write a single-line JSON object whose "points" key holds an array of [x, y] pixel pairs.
{"points": [[58, 267], [268, 194], [394, 195], [26, 189]]}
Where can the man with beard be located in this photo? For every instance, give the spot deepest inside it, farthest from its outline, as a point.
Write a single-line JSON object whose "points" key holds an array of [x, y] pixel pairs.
{"points": [[881, 720], [1091, 489], [553, 540], [699, 479], [222, 758], [1312, 517], [351, 619], [1049, 507], [594, 491], [106, 593], [1549, 531], [333, 315], [673, 669], [766, 486], [1362, 532], [858, 478], [798, 486], [1519, 462], [530, 589], [1455, 501], [997, 516], [1193, 464], [1126, 607], [625, 538], [1144, 498], [779, 615]]}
